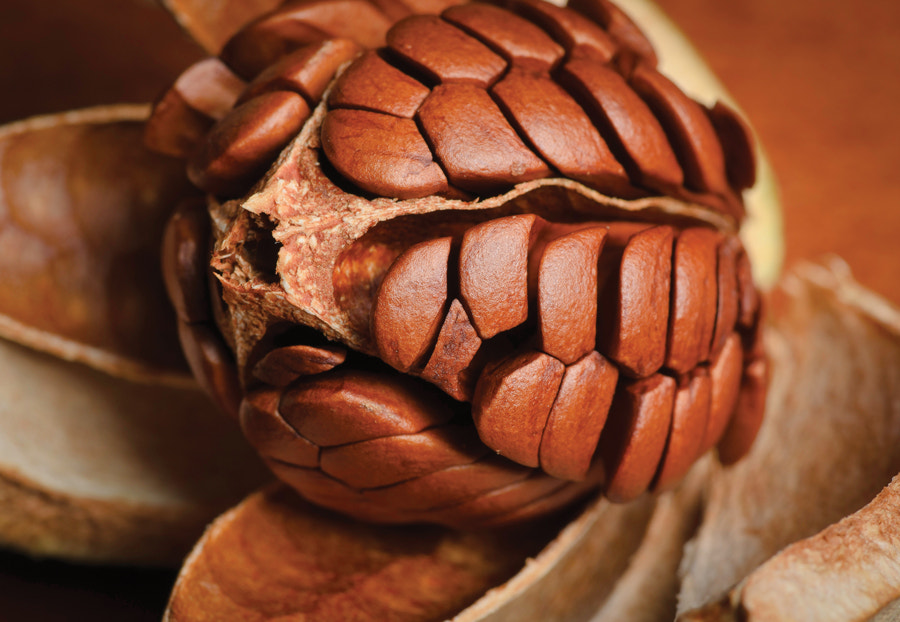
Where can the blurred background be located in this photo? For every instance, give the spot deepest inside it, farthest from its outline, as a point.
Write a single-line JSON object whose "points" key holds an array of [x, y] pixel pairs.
{"points": [[818, 80]]}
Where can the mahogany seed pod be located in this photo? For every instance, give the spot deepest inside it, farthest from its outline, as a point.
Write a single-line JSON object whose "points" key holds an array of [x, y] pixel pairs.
{"points": [[491, 266]]}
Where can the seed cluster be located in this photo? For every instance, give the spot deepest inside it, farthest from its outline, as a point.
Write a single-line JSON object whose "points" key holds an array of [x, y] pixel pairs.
{"points": [[535, 357], [431, 112], [541, 318]]}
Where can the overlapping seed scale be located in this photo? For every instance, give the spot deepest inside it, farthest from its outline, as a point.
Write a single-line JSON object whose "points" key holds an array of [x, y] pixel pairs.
{"points": [[381, 448], [631, 337], [492, 96]]}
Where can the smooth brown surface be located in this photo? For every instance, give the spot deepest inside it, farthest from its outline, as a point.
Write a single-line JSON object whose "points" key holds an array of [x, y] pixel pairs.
{"points": [[634, 303], [512, 403], [406, 161], [360, 86], [522, 44], [456, 346], [493, 268], [411, 302], [567, 294], [635, 436]]}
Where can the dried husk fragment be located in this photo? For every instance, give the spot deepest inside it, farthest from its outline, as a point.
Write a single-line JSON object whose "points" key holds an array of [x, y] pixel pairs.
{"points": [[92, 466], [849, 571], [82, 208], [614, 562], [648, 590], [277, 557], [100, 469], [255, 562], [828, 447]]}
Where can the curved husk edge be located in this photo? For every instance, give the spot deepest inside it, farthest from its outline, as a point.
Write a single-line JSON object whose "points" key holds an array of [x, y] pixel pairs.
{"points": [[837, 410], [95, 468], [69, 316]]}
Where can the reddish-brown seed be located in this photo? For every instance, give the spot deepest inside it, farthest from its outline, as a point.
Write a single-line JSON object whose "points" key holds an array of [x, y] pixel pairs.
{"points": [[452, 485], [209, 87], [577, 417], [443, 52], [449, 367], [725, 374], [370, 83], [237, 150], [567, 294], [689, 129], [300, 23], [560, 131], [212, 364], [581, 37], [493, 273], [689, 420], [512, 402], [727, 304], [313, 483], [635, 435], [306, 71], [329, 492], [474, 142], [282, 366], [503, 500], [619, 26], [270, 434], [521, 43], [185, 261], [410, 304], [175, 129], [748, 416], [692, 315], [388, 460], [737, 140], [542, 505], [351, 406], [634, 317], [626, 123], [382, 154]]}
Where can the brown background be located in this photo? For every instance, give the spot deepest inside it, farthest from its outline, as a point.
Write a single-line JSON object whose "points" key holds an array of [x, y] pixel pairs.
{"points": [[819, 79]]}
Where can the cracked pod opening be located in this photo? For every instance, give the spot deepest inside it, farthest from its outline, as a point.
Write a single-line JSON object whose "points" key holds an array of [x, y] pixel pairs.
{"points": [[468, 268]]}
